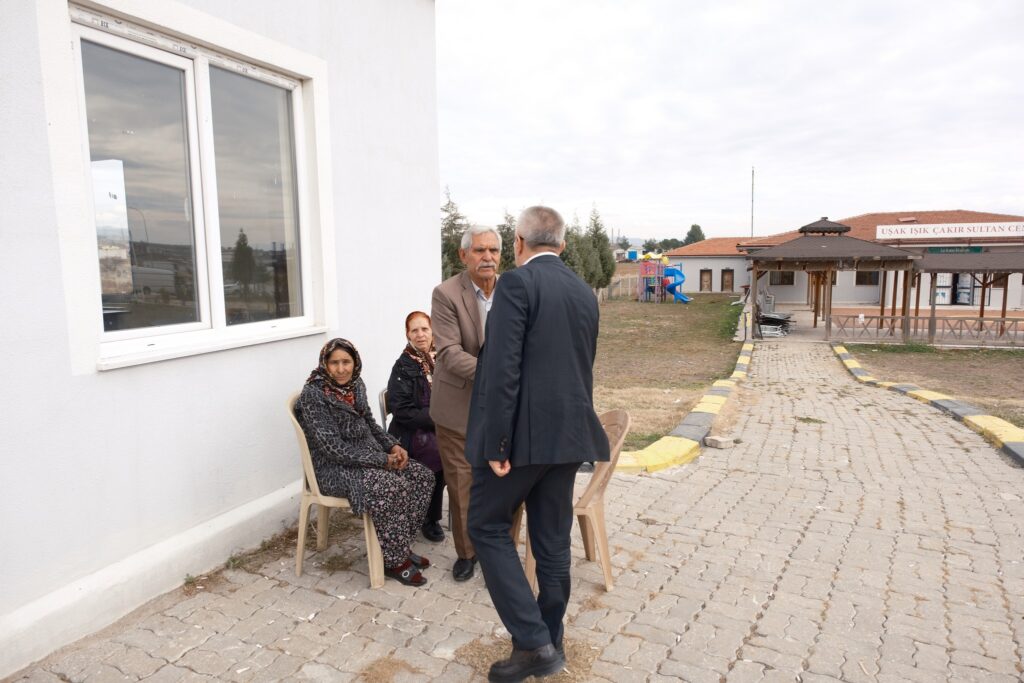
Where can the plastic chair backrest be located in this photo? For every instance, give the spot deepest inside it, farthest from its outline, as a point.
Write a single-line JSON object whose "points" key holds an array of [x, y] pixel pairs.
{"points": [[308, 473], [616, 425], [384, 410]]}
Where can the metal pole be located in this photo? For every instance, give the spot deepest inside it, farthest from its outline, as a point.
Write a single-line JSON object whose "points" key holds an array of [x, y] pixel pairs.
{"points": [[906, 306], [881, 298], [751, 201]]}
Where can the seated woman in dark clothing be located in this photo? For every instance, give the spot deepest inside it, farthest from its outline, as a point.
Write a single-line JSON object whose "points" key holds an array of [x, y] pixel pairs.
{"points": [[354, 458], [409, 402]]}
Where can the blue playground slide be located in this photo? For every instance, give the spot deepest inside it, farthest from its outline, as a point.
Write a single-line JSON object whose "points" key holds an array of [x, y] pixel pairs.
{"points": [[672, 286]]}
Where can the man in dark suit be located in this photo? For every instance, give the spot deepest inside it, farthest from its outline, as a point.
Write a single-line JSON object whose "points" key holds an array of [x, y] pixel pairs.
{"points": [[531, 424]]}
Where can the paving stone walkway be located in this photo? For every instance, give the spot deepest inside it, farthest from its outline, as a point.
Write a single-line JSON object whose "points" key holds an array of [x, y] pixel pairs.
{"points": [[854, 534]]}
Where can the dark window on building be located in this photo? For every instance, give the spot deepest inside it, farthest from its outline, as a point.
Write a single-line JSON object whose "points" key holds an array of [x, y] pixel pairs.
{"points": [[780, 277], [867, 277]]}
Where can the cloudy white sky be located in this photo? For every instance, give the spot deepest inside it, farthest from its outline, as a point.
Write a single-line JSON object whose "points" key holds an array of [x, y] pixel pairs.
{"points": [[656, 110]]}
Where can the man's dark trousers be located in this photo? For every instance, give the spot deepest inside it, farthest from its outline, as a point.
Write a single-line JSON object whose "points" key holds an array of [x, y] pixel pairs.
{"points": [[547, 491]]}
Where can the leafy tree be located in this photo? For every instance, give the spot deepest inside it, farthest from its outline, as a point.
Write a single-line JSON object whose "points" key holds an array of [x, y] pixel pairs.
{"points": [[650, 245], [453, 224], [243, 263], [507, 230], [579, 253], [695, 235], [670, 243], [602, 247], [623, 243]]}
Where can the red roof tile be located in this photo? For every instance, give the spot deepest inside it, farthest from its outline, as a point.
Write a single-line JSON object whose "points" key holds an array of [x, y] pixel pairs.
{"points": [[863, 226], [713, 246]]}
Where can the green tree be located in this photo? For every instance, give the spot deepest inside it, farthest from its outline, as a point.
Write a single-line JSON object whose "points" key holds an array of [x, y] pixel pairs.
{"points": [[650, 245], [453, 224], [602, 248], [243, 263], [695, 235], [507, 230], [623, 243], [579, 253], [670, 243]]}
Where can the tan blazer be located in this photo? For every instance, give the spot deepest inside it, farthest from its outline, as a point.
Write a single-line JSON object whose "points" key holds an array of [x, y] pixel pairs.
{"points": [[458, 336]]}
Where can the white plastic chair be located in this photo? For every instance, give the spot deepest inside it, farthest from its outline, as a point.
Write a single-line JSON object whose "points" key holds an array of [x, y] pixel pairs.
{"points": [[311, 494]]}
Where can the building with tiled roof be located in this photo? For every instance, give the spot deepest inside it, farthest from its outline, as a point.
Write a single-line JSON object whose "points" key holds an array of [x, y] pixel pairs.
{"points": [[719, 264]]}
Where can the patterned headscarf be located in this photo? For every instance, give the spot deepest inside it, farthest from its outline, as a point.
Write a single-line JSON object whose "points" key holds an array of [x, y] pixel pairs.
{"points": [[425, 360], [322, 379]]}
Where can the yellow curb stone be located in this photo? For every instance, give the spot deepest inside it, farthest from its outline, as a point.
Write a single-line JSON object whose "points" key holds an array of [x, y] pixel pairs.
{"points": [[712, 398], [886, 385], [925, 395], [850, 363], [997, 430], [840, 349], [739, 374], [724, 383], [747, 347], [708, 407], [865, 378], [668, 451]]}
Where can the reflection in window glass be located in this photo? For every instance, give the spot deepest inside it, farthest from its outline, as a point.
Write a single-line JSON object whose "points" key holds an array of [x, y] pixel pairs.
{"points": [[256, 192], [139, 160]]}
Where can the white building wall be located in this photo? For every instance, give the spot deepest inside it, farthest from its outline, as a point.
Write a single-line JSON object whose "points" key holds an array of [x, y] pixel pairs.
{"points": [[691, 267], [117, 484]]}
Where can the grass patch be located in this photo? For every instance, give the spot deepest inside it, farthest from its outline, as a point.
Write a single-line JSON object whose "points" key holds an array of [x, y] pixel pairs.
{"points": [[655, 360], [910, 347], [386, 670], [810, 420], [988, 378], [479, 654]]}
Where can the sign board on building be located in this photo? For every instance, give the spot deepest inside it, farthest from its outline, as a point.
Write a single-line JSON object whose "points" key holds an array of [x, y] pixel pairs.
{"points": [[954, 250], [914, 231]]}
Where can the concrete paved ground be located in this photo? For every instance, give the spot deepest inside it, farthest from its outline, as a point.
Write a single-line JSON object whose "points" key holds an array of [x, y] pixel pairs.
{"points": [[855, 535]]}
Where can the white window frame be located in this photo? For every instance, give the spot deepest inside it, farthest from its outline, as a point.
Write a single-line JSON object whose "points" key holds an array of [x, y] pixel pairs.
{"points": [[117, 349]]}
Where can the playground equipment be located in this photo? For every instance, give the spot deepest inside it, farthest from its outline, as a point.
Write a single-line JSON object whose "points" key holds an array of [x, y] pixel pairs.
{"points": [[674, 279], [651, 282]]}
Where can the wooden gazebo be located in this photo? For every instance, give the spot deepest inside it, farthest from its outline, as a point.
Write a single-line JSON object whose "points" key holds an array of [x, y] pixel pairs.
{"points": [[821, 250]]}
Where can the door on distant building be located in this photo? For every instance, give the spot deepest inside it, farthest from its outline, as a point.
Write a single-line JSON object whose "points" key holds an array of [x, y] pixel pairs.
{"points": [[727, 279], [963, 289], [705, 280]]}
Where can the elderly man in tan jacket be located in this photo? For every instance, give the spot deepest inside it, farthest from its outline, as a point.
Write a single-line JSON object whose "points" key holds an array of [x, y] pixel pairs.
{"points": [[459, 310]]}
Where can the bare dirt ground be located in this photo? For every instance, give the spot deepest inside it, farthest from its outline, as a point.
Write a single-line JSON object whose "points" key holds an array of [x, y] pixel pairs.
{"points": [[655, 360], [988, 378]]}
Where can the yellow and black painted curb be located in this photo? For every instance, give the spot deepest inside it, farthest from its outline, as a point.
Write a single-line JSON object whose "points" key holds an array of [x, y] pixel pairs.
{"points": [[1000, 433], [683, 444]]}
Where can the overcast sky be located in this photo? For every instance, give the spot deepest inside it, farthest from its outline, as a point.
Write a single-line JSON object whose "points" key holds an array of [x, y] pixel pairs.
{"points": [[655, 110]]}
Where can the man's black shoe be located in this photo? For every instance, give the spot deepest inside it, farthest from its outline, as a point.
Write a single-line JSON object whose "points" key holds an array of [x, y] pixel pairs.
{"points": [[522, 664], [433, 532], [463, 570]]}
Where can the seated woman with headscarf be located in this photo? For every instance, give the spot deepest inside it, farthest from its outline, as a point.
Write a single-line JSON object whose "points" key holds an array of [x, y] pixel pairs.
{"points": [[409, 402], [354, 458]]}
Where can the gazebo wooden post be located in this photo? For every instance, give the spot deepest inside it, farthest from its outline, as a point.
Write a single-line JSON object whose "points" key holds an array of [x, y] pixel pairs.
{"points": [[817, 298], [906, 306], [828, 304], [917, 295], [881, 298], [754, 327], [1002, 315], [895, 286], [931, 301], [985, 282]]}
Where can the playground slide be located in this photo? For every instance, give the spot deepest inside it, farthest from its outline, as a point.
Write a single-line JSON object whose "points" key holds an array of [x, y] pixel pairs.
{"points": [[673, 286]]}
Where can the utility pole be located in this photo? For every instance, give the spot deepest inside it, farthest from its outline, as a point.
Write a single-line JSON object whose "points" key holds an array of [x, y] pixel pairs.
{"points": [[751, 201]]}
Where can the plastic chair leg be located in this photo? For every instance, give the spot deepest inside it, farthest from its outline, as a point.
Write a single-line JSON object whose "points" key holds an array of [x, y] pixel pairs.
{"points": [[601, 536], [300, 549], [587, 531], [323, 524], [374, 556]]}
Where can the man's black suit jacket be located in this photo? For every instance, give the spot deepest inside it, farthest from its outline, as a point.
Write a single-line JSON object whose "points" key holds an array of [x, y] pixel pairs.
{"points": [[532, 400]]}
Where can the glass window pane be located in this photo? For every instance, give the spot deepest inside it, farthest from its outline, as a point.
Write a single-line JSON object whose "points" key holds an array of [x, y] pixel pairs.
{"points": [[140, 170], [256, 193]]}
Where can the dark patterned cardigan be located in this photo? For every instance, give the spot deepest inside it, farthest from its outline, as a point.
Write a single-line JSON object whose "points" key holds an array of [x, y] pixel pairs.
{"points": [[342, 442]]}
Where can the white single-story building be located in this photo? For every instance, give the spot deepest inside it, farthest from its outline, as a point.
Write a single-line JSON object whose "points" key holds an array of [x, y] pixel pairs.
{"points": [[192, 190], [712, 265]]}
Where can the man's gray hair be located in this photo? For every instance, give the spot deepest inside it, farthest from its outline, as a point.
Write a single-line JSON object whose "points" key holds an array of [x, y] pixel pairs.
{"points": [[467, 235], [540, 226]]}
